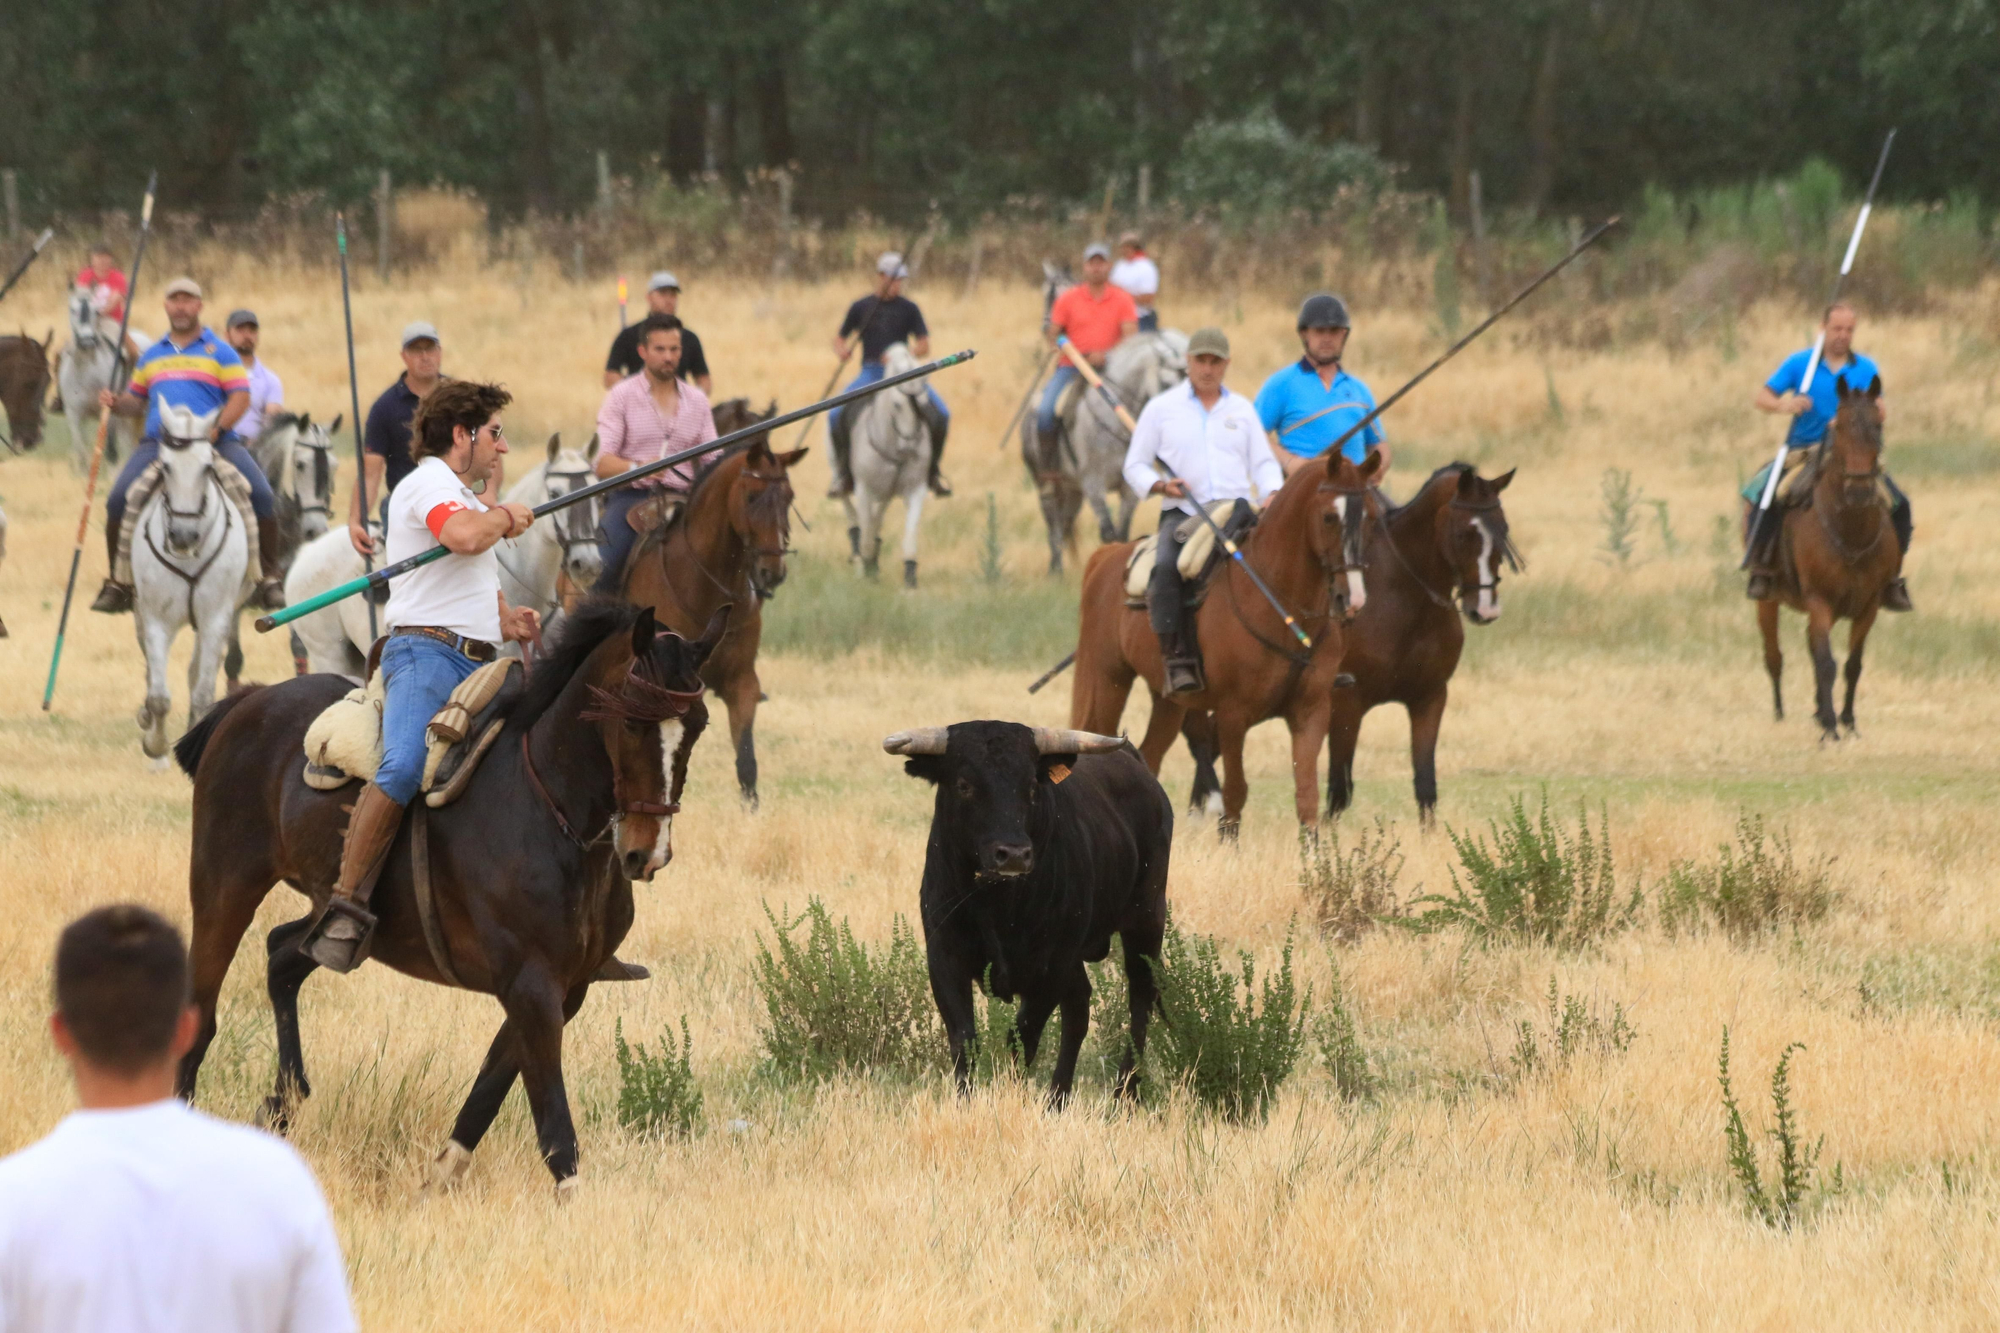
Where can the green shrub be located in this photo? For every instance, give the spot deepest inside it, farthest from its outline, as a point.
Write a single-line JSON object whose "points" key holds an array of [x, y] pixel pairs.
{"points": [[835, 1005], [1538, 884], [1620, 515], [1752, 888], [1339, 1041], [1782, 1204], [1349, 891], [1255, 166], [1574, 1028], [1230, 1043], [657, 1094]]}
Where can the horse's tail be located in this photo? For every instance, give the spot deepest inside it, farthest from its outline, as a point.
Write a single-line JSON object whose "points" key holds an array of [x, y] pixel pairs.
{"points": [[188, 749]]}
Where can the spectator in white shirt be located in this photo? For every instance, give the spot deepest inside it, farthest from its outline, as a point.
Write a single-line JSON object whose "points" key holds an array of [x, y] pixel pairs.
{"points": [[1138, 276], [267, 391], [138, 1214], [1212, 445]]}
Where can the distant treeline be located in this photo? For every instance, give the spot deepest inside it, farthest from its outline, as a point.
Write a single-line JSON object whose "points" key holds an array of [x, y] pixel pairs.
{"points": [[1561, 106]]}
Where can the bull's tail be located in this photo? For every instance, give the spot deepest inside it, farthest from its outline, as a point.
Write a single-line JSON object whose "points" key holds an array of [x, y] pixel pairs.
{"points": [[189, 748]]}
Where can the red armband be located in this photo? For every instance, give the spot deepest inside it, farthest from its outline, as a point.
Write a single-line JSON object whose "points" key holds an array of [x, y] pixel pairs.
{"points": [[435, 520]]}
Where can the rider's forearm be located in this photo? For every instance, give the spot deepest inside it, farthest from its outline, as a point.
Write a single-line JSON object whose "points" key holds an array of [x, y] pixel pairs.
{"points": [[233, 409], [1766, 401], [470, 532], [372, 468], [128, 405]]}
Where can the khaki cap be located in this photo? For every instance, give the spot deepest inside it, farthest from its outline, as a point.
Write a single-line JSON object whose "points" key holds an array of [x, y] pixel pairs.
{"points": [[184, 287], [1210, 341]]}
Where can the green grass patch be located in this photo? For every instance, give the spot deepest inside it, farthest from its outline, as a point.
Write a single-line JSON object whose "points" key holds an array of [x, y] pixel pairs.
{"points": [[827, 610]]}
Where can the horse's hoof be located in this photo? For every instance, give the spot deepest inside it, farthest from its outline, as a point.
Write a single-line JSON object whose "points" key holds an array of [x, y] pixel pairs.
{"points": [[448, 1167], [910, 575], [275, 1115], [566, 1188]]}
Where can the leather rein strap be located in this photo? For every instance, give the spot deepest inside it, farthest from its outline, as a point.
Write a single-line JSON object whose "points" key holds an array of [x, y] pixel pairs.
{"points": [[655, 809], [427, 912]]}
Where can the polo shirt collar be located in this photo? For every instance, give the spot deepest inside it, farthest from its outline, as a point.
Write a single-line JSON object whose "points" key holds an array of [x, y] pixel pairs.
{"points": [[1306, 367]]}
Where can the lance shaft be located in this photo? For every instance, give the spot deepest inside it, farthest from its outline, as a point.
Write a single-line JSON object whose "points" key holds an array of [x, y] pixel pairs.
{"points": [[354, 406], [729, 443], [27, 259]]}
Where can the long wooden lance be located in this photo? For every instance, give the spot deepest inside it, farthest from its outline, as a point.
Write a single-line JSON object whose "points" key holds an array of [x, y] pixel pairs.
{"points": [[103, 427], [728, 443], [27, 259], [1819, 346], [1048, 307], [354, 406], [1091, 378]]}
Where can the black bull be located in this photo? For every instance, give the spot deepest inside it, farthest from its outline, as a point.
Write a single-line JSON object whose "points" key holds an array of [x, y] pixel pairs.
{"points": [[1043, 844]]}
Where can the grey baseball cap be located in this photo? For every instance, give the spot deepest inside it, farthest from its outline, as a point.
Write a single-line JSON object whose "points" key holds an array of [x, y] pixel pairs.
{"points": [[891, 265], [663, 281], [237, 317], [1097, 250], [1210, 341], [419, 329]]}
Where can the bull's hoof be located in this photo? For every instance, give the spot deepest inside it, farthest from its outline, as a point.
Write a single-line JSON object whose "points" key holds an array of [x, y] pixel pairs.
{"points": [[448, 1167]]}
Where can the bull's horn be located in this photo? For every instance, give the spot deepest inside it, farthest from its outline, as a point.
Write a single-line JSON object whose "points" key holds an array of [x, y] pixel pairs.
{"points": [[1061, 740], [922, 740]]}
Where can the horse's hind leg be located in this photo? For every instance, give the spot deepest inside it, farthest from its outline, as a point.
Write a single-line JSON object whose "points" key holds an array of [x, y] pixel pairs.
{"points": [[1774, 656], [1857, 638], [232, 657], [285, 970], [1343, 734], [1819, 637]]}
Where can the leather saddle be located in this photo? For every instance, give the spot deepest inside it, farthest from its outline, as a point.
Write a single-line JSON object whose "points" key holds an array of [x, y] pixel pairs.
{"points": [[344, 743], [1199, 553]]}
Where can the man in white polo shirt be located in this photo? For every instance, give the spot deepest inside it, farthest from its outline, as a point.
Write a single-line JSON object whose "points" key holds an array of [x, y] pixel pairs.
{"points": [[1213, 442], [138, 1214]]}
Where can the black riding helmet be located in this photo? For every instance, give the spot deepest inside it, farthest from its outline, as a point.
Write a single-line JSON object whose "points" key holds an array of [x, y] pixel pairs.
{"points": [[1323, 310]]}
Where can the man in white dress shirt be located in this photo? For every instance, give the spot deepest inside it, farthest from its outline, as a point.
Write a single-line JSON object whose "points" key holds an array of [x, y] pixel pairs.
{"points": [[1213, 443], [138, 1214]]}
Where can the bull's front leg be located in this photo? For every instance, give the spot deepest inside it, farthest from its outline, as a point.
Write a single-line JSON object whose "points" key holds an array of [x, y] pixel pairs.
{"points": [[951, 988]]}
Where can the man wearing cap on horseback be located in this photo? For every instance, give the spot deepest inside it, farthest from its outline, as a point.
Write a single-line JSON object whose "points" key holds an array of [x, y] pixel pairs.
{"points": [[1811, 408], [1212, 440], [1095, 316], [1313, 402], [189, 368], [444, 619], [879, 319], [663, 297]]}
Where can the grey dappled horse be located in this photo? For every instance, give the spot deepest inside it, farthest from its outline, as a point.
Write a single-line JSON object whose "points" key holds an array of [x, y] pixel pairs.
{"points": [[560, 553], [891, 450], [296, 455], [82, 370]]}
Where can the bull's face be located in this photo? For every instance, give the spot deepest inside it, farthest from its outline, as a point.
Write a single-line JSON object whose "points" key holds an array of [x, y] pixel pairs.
{"points": [[992, 779]]}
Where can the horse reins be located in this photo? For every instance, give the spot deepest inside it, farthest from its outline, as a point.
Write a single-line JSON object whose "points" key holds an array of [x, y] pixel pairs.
{"points": [[673, 703], [1298, 658], [1506, 553]]}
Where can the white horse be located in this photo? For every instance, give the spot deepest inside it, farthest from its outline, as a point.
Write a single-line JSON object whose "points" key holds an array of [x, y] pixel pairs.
{"points": [[1090, 455], [891, 450], [189, 557], [559, 555], [334, 638], [84, 368], [297, 457]]}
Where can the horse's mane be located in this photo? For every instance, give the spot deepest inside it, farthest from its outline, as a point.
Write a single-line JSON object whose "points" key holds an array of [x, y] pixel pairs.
{"points": [[584, 628]]}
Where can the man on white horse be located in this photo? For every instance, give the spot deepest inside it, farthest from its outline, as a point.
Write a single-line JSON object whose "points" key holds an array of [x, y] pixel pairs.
{"points": [[189, 368], [267, 391], [1095, 316], [663, 297], [648, 416], [444, 620], [883, 317], [1313, 402]]}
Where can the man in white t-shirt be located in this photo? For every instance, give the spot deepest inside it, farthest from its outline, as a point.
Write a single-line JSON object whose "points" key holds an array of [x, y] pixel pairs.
{"points": [[267, 391], [1138, 276], [138, 1214], [445, 619]]}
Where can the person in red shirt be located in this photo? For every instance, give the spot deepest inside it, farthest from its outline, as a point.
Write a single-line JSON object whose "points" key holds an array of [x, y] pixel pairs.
{"points": [[105, 282], [1095, 317]]}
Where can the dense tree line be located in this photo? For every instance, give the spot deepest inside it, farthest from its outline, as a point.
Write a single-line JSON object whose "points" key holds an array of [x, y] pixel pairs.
{"points": [[1563, 105]]}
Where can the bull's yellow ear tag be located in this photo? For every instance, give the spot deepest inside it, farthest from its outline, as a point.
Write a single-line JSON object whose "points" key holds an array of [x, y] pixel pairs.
{"points": [[1057, 772]]}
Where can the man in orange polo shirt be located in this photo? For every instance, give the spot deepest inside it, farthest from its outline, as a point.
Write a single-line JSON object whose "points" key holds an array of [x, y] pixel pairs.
{"points": [[1095, 317]]}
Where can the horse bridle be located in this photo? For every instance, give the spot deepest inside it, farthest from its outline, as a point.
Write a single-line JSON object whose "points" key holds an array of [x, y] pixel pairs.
{"points": [[1336, 598], [1848, 481], [636, 700], [1506, 552]]}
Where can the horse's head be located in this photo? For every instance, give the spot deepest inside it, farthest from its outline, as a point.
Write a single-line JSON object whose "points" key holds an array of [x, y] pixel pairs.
{"points": [[645, 694], [1345, 499], [574, 527], [24, 382], [297, 455], [1146, 365], [1056, 280], [1472, 534], [895, 361], [83, 333], [1857, 441], [760, 513], [187, 457]]}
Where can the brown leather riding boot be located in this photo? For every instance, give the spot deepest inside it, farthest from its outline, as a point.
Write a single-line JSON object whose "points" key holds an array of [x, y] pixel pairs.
{"points": [[114, 598], [339, 939], [1896, 597], [270, 594]]}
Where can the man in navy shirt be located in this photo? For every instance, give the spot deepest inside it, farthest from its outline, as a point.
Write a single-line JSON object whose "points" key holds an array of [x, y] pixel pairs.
{"points": [[878, 320], [1311, 403], [1811, 408]]}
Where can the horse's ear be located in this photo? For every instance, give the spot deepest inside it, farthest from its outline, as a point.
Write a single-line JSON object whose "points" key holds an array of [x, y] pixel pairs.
{"points": [[590, 452], [1499, 483], [555, 445], [305, 420], [643, 632], [711, 634], [338, 417], [1371, 466], [1468, 483], [1875, 388], [791, 460], [1839, 389]]}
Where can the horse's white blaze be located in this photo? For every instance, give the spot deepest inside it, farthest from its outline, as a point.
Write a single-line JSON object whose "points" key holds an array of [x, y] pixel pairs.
{"points": [[670, 747], [1489, 601], [1357, 587]]}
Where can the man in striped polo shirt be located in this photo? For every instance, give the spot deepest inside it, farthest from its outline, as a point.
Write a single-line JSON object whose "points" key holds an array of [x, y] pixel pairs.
{"points": [[192, 368], [648, 416]]}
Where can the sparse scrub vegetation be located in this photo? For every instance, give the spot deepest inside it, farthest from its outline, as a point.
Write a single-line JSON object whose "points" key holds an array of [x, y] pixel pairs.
{"points": [[1750, 889], [1350, 890], [1338, 1037], [1782, 1202], [1620, 515], [657, 1091], [835, 1005], [1571, 1027], [1229, 1042]]}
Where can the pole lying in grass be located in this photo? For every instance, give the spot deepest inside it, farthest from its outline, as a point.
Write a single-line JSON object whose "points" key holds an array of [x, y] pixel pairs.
{"points": [[33, 254], [727, 443], [103, 428], [1091, 377], [1812, 361], [354, 401]]}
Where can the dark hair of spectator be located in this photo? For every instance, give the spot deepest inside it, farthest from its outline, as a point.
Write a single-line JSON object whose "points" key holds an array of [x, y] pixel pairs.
{"points": [[453, 403], [657, 323], [102, 248], [121, 984]]}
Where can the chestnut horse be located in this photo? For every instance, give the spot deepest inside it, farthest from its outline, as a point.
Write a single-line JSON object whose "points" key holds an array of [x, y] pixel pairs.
{"points": [[727, 546], [1836, 554], [1307, 540], [1451, 538], [530, 870]]}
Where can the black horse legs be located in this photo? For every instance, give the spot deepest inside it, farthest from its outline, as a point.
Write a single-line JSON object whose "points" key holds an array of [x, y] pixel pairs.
{"points": [[285, 971], [528, 1045]]}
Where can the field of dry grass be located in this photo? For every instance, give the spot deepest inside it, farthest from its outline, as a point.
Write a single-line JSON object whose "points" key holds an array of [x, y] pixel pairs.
{"points": [[1465, 1193]]}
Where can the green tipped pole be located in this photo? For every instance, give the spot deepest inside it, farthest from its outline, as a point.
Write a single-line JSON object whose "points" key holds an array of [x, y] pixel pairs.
{"points": [[381, 577], [354, 405]]}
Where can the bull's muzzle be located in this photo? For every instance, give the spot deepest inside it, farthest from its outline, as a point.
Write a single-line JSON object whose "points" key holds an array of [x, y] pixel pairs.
{"points": [[1007, 859]]}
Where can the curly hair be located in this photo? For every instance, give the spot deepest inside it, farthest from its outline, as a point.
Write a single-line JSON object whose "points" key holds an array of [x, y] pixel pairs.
{"points": [[453, 403]]}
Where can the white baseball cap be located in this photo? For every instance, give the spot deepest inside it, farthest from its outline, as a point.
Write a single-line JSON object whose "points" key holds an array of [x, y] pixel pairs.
{"points": [[184, 287], [1097, 250], [663, 281], [891, 265], [418, 329]]}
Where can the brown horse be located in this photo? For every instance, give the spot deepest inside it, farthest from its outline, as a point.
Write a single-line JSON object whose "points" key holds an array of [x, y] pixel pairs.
{"points": [[727, 546], [1835, 556], [1308, 538], [1404, 645], [531, 869], [24, 382]]}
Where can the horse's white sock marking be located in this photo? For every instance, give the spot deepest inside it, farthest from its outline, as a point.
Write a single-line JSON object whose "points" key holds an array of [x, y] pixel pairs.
{"points": [[1489, 601]]}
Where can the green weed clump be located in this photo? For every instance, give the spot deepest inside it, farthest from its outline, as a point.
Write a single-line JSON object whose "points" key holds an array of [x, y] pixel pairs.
{"points": [[1751, 889], [1349, 891], [834, 1005], [1230, 1043], [1338, 1037], [657, 1093], [1574, 1027], [1620, 515], [1537, 884], [1781, 1204]]}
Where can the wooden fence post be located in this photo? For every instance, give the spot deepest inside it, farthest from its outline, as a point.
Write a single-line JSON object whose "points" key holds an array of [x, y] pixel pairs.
{"points": [[11, 187], [1478, 240], [1145, 191], [385, 224], [781, 261]]}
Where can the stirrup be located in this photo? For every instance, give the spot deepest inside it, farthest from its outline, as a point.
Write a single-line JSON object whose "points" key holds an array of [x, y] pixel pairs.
{"points": [[270, 594], [1759, 588], [1896, 597], [339, 940], [1184, 677], [113, 599]]}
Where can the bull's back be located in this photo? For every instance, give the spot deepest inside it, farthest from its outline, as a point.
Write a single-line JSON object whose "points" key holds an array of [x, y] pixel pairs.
{"points": [[1127, 819]]}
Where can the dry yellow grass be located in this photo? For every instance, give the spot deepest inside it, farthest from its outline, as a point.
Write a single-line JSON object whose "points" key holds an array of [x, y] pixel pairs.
{"points": [[1463, 1199]]}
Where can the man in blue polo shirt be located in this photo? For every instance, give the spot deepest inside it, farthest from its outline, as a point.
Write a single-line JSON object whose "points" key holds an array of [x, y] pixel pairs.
{"points": [[1311, 403], [1811, 408]]}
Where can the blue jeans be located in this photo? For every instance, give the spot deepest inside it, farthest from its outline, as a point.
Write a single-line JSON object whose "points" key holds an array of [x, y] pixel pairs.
{"points": [[420, 675], [231, 448], [615, 536], [871, 371], [1045, 415], [1149, 319]]}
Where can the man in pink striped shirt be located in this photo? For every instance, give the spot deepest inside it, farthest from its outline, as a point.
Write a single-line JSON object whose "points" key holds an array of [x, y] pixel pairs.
{"points": [[646, 417]]}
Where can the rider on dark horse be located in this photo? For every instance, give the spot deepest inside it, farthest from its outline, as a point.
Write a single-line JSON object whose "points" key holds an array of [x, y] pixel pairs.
{"points": [[444, 620], [887, 316], [1212, 440], [1811, 408]]}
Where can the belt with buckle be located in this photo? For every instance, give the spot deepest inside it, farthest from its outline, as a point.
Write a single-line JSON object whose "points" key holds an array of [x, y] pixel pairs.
{"points": [[477, 649]]}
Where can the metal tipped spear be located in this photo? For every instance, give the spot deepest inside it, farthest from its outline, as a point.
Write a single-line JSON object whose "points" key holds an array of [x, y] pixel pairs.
{"points": [[27, 259]]}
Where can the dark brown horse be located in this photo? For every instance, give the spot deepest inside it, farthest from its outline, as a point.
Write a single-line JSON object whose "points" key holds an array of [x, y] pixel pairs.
{"points": [[24, 382], [1307, 549], [727, 546], [1448, 541], [1836, 554], [530, 870]]}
